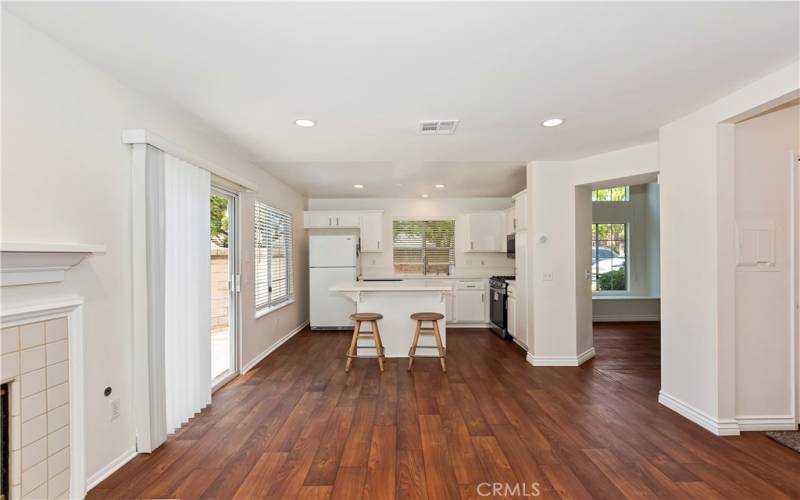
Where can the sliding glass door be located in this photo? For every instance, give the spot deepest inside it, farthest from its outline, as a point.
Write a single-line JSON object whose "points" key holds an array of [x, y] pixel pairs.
{"points": [[224, 287]]}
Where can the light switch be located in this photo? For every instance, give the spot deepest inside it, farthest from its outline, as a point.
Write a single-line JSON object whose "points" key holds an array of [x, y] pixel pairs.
{"points": [[755, 249]]}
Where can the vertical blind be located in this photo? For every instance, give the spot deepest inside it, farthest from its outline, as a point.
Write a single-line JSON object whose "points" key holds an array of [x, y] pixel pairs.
{"points": [[273, 256], [415, 241]]}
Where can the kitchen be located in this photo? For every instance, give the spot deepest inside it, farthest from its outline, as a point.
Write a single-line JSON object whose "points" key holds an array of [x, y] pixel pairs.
{"points": [[379, 254]]}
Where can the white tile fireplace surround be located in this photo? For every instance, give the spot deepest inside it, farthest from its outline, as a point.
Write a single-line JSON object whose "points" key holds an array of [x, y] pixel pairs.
{"points": [[40, 353]]}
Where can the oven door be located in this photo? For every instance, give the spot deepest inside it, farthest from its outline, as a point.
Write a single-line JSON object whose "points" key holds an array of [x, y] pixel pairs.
{"points": [[497, 310]]}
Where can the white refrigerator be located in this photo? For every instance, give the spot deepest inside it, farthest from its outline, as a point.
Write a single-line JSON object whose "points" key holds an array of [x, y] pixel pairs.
{"points": [[332, 261]]}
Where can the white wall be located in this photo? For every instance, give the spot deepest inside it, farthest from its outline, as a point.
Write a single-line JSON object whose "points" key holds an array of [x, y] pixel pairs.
{"points": [[696, 156], [763, 328], [554, 189], [380, 263], [65, 178]]}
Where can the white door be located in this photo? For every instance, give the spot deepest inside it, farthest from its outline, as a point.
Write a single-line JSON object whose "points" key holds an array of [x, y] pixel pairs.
{"points": [[224, 289], [470, 306], [372, 232], [332, 251], [330, 309]]}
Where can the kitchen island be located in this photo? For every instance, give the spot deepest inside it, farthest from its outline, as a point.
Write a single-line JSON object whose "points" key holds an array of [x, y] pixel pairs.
{"points": [[397, 301]]}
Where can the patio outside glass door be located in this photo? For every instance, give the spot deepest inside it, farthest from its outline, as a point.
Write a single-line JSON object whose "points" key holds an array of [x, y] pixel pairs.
{"points": [[224, 287]]}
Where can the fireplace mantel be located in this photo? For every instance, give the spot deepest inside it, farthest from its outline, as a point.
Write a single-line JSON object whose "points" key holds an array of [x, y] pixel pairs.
{"points": [[23, 263]]}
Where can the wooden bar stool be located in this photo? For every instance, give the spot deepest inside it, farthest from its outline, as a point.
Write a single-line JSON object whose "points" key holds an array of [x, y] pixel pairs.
{"points": [[375, 334], [420, 318]]}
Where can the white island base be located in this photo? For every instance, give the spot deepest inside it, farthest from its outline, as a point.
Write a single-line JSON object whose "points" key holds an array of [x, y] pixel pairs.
{"points": [[397, 302]]}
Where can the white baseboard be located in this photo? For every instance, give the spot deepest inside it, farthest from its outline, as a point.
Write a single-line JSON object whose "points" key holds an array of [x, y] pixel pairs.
{"points": [[109, 469], [467, 325], [767, 423], [561, 360], [604, 318], [720, 427], [253, 362]]}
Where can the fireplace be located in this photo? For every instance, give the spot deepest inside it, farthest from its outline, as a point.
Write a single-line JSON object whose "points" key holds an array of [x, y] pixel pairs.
{"points": [[4, 446]]}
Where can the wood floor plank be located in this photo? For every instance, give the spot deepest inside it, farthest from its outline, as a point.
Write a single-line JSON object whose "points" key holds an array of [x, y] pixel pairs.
{"points": [[382, 464]]}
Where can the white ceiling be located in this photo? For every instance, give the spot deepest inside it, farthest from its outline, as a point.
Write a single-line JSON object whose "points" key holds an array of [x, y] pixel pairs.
{"points": [[368, 72]]}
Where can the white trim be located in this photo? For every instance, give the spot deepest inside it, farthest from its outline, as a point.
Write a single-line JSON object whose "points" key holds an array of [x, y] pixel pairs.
{"points": [[794, 310], [253, 362], [260, 313], [72, 309], [24, 263], [143, 136], [728, 427], [612, 296], [110, 468], [625, 317], [561, 360], [767, 423], [468, 325]]}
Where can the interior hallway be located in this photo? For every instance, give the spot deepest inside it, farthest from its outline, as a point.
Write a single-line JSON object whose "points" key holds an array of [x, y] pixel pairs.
{"points": [[298, 426]]}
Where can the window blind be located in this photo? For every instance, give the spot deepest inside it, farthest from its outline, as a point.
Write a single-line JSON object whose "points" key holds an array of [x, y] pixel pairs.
{"points": [[273, 257], [418, 241]]}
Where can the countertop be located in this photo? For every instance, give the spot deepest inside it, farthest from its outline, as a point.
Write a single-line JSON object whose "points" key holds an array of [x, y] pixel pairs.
{"points": [[394, 286]]}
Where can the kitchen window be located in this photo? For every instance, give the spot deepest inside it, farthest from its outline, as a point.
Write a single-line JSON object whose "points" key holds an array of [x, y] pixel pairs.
{"points": [[609, 257], [423, 246], [273, 258], [620, 193]]}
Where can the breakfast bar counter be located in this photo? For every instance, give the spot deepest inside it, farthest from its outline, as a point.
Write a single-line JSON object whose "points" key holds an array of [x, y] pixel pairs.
{"points": [[397, 301]]}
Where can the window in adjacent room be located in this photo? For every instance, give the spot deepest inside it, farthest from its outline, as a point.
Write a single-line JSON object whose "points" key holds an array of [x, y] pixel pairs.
{"points": [[609, 257], [619, 193], [273, 259], [423, 246]]}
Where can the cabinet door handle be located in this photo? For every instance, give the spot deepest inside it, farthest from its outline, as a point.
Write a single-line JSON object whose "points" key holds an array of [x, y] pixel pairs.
{"points": [[379, 243], [329, 221], [471, 245], [482, 298], [337, 221]]}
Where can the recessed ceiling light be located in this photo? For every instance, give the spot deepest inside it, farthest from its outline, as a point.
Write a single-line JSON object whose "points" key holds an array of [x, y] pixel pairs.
{"points": [[439, 186], [424, 195], [358, 186], [305, 123], [552, 122]]}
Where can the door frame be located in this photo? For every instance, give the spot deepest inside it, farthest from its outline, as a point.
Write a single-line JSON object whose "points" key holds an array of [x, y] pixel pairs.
{"points": [[794, 266], [234, 280]]}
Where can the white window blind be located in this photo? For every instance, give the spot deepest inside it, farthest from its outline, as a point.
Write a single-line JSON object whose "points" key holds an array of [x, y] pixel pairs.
{"points": [[423, 246], [273, 256]]}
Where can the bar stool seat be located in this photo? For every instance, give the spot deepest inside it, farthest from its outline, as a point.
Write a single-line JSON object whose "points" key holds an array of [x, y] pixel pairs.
{"points": [[421, 318], [427, 316], [366, 316], [375, 334]]}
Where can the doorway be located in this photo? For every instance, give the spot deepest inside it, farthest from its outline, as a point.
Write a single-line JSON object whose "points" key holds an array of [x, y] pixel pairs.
{"points": [[224, 332]]}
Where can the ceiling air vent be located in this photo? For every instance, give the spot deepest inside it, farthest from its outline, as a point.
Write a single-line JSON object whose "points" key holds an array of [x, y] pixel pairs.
{"points": [[440, 127]]}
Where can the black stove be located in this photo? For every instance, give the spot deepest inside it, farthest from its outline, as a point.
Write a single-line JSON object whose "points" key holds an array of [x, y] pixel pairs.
{"points": [[500, 281], [498, 307]]}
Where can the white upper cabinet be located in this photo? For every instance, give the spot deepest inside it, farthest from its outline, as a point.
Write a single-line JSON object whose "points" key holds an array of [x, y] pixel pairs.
{"points": [[372, 232], [316, 220], [484, 232], [521, 211], [510, 229]]}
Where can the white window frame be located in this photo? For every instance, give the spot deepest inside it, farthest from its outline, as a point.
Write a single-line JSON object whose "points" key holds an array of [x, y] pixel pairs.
{"points": [[418, 218], [627, 195], [271, 305]]}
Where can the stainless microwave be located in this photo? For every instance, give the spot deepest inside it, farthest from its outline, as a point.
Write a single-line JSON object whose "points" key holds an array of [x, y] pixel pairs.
{"points": [[510, 246]]}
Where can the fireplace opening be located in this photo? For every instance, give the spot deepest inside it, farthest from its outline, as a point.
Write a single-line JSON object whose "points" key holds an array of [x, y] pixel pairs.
{"points": [[4, 442]]}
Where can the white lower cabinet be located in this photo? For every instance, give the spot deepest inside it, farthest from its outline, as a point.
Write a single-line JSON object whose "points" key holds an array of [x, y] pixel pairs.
{"points": [[470, 306]]}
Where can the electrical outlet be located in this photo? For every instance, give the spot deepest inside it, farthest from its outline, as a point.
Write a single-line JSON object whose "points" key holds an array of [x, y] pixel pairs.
{"points": [[373, 262], [547, 276], [115, 409]]}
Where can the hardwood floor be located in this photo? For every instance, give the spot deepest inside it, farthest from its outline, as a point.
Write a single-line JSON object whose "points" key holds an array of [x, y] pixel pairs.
{"points": [[298, 426]]}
